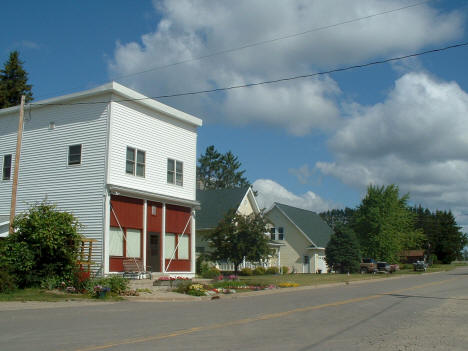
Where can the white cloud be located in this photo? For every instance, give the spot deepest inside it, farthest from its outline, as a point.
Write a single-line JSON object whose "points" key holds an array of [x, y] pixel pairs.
{"points": [[417, 138], [269, 192], [190, 29], [302, 173]]}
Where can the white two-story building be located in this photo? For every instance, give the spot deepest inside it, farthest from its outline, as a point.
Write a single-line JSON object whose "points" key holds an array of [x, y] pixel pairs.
{"points": [[122, 163]]}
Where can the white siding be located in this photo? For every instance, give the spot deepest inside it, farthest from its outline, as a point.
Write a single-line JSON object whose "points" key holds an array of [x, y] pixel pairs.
{"points": [[161, 138], [44, 171]]}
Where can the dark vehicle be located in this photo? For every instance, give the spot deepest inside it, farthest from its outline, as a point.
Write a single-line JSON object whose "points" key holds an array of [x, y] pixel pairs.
{"points": [[420, 266], [368, 265], [383, 267]]}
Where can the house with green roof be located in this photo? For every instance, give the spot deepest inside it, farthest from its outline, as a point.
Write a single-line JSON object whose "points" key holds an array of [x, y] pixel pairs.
{"points": [[215, 203], [300, 236]]}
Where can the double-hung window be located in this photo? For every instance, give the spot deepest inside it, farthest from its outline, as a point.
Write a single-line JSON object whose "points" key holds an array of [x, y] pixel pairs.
{"points": [[277, 233], [175, 172], [135, 162], [74, 154], [6, 169]]}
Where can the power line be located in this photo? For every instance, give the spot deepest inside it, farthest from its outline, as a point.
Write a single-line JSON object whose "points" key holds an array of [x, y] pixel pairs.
{"points": [[267, 41], [272, 81]]}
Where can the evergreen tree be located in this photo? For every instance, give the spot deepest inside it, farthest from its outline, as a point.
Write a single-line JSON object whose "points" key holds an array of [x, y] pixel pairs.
{"points": [[220, 171], [342, 252], [338, 217], [13, 82]]}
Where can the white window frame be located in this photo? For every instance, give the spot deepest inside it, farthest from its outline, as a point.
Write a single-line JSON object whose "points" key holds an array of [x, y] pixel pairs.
{"points": [[275, 233], [175, 173], [3, 167], [81, 155], [135, 162]]}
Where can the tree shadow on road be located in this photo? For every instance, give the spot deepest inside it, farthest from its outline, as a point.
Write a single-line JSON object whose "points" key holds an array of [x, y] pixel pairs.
{"points": [[427, 297]]}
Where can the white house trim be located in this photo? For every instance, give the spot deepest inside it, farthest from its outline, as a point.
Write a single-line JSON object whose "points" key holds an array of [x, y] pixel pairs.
{"points": [[299, 229], [249, 193]]}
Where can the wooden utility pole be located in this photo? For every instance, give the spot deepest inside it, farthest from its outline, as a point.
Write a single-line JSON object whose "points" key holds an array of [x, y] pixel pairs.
{"points": [[17, 162]]}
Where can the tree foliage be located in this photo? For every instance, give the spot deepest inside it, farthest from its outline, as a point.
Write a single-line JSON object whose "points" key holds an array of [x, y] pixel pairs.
{"points": [[384, 224], [342, 252], [220, 171], [14, 82], [443, 236], [338, 217], [237, 237], [44, 244]]}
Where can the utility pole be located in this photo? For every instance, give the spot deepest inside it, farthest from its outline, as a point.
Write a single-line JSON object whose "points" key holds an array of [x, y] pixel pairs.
{"points": [[17, 162]]}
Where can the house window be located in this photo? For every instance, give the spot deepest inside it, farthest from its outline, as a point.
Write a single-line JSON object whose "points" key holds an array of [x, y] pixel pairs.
{"points": [[277, 233], [175, 172], [6, 173], [124, 240], [74, 154], [179, 241], [135, 162]]}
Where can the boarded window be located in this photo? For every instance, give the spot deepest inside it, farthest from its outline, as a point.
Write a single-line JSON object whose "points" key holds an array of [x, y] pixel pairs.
{"points": [[133, 247], [115, 241]]}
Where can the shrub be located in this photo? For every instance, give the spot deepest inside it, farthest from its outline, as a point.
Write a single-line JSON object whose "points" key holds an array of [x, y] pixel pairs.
{"points": [[115, 283], [211, 273], [51, 283], [44, 244], [272, 270], [285, 269], [259, 271], [246, 272], [7, 282]]}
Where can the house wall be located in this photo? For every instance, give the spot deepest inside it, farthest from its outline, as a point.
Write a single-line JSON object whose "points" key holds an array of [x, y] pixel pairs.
{"points": [[44, 172], [246, 207], [161, 138], [292, 254]]}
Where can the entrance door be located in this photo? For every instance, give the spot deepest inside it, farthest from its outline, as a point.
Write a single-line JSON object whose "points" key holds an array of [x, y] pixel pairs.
{"points": [[154, 252], [306, 266]]}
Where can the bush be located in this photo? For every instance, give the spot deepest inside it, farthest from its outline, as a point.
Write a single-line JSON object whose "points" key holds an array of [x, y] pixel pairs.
{"points": [[51, 283], [44, 245], [210, 272], [272, 270], [285, 269], [259, 271], [246, 272], [7, 282], [115, 283]]}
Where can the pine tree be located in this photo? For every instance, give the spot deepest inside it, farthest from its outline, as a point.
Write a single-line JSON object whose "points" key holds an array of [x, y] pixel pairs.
{"points": [[13, 82], [342, 252]]}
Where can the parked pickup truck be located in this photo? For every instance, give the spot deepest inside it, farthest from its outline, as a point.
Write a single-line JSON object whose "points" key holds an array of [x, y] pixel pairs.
{"points": [[368, 265]]}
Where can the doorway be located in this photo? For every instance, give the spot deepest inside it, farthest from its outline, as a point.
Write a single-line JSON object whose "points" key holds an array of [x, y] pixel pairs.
{"points": [[153, 253], [306, 266]]}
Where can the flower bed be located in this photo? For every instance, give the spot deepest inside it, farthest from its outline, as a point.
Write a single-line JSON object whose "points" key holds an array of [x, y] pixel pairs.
{"points": [[171, 281]]}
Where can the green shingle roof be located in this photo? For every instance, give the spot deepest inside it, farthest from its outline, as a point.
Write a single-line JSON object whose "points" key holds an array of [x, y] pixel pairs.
{"points": [[215, 204], [309, 222]]}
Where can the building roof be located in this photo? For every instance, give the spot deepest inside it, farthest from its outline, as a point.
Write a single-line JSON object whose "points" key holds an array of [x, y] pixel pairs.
{"points": [[215, 204], [122, 94], [309, 223]]}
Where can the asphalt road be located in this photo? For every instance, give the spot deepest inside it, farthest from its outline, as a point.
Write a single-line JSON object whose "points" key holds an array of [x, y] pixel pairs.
{"points": [[420, 312]]}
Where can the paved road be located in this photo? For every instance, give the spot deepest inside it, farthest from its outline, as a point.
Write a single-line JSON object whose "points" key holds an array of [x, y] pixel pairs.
{"points": [[421, 312]]}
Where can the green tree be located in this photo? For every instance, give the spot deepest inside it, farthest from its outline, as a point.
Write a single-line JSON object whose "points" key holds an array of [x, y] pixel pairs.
{"points": [[337, 217], [342, 252], [14, 82], [220, 171], [383, 223], [44, 244], [237, 237]]}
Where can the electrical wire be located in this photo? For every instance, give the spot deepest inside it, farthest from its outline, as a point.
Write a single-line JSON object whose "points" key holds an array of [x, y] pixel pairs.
{"points": [[267, 41], [373, 63]]}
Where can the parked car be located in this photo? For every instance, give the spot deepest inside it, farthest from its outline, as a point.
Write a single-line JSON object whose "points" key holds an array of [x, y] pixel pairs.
{"points": [[394, 267], [383, 267], [368, 265], [420, 266]]}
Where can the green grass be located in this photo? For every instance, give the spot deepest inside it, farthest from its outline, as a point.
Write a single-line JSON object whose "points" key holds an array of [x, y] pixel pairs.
{"points": [[36, 294], [317, 279]]}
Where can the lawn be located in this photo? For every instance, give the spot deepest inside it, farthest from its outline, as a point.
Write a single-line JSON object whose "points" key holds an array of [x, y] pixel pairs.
{"points": [[36, 294], [317, 279]]}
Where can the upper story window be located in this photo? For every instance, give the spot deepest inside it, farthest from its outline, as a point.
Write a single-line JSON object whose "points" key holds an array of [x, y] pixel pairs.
{"points": [[74, 154], [136, 160], [175, 172], [277, 233], [6, 173]]}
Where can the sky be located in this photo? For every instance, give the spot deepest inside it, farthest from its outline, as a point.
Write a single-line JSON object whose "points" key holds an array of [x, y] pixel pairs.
{"points": [[315, 143]]}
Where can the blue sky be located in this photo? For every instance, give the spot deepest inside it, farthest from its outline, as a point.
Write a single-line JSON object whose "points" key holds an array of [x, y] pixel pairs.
{"points": [[314, 143]]}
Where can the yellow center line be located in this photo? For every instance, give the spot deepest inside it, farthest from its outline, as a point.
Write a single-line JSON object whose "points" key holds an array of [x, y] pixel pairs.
{"points": [[257, 318]]}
